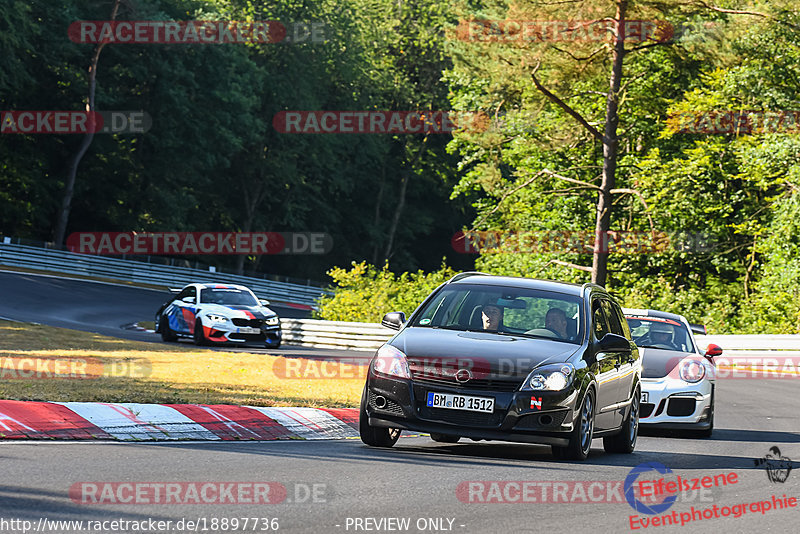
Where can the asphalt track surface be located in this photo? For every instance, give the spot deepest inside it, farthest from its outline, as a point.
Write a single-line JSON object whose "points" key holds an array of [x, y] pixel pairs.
{"points": [[417, 479], [107, 309]]}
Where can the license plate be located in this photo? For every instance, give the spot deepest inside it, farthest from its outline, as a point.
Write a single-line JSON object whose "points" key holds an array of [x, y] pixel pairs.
{"points": [[249, 330], [645, 396], [460, 402]]}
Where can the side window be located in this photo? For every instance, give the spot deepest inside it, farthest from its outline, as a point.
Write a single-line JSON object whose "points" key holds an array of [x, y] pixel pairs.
{"points": [[599, 322], [184, 293], [188, 292], [614, 321]]}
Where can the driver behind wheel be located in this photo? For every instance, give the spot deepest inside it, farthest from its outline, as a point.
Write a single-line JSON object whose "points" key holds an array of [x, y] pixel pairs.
{"points": [[556, 322], [491, 317], [661, 334]]}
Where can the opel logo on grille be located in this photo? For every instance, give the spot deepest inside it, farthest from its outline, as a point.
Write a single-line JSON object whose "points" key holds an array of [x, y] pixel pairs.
{"points": [[463, 376]]}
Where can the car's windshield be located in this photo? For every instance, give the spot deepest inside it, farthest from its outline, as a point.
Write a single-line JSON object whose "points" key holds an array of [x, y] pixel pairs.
{"points": [[504, 310], [227, 297], [660, 333]]}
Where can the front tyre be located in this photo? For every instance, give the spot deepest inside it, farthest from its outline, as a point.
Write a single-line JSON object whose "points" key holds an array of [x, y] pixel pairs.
{"points": [[372, 435], [706, 432], [580, 439], [199, 336], [625, 441]]}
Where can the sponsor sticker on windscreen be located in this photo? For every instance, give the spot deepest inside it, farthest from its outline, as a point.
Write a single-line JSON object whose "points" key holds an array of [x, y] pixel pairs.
{"points": [[460, 402]]}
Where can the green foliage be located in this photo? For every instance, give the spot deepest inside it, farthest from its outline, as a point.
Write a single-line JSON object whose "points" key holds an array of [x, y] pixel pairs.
{"points": [[775, 306], [366, 293]]}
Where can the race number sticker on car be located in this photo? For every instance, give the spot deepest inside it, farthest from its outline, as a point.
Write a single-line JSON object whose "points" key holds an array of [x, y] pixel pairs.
{"points": [[460, 402], [645, 396]]}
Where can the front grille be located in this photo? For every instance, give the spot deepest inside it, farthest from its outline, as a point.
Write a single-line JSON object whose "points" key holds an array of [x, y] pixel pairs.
{"points": [[391, 406], [539, 421], [487, 384], [247, 337], [459, 417], [252, 323], [646, 409], [681, 406]]}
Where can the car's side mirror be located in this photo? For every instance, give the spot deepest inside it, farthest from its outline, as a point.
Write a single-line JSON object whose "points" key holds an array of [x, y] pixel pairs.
{"points": [[713, 350], [263, 302], [188, 300], [394, 320], [613, 343]]}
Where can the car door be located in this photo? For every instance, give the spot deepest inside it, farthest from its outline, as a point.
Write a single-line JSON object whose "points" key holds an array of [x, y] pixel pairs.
{"points": [[607, 372], [627, 361], [181, 314]]}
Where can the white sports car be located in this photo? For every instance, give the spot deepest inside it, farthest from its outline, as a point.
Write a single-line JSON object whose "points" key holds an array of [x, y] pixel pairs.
{"points": [[218, 313], [678, 377]]}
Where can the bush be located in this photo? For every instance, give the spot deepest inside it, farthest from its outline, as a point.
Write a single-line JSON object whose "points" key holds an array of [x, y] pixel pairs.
{"points": [[366, 294]]}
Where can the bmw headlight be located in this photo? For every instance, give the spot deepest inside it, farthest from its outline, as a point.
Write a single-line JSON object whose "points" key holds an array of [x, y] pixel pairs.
{"points": [[692, 371], [273, 321], [391, 361], [214, 318], [549, 378]]}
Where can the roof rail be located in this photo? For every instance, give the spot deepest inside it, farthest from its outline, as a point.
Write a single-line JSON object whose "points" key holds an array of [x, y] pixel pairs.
{"points": [[467, 274]]}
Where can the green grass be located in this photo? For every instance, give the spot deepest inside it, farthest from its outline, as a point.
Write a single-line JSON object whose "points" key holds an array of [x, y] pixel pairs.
{"points": [[162, 373]]}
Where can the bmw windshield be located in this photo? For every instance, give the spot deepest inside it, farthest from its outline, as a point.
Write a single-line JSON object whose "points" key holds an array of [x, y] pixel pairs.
{"points": [[504, 310], [227, 297]]}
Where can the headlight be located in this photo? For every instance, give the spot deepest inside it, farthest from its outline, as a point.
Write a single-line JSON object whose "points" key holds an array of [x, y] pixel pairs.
{"points": [[214, 318], [549, 378], [692, 371], [391, 361], [273, 321]]}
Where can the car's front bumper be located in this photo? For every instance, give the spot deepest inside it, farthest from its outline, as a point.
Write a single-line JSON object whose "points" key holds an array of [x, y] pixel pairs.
{"points": [[675, 404], [513, 418], [222, 333]]}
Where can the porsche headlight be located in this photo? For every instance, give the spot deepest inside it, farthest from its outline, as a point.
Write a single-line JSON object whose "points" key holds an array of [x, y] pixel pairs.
{"points": [[692, 371], [273, 321], [214, 318], [549, 378]]}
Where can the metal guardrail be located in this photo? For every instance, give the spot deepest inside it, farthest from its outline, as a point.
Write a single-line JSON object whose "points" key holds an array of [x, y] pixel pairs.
{"points": [[755, 346], [370, 336], [334, 334], [61, 261]]}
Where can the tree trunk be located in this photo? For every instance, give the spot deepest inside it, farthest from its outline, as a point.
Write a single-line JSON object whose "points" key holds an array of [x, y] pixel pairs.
{"points": [[72, 167], [253, 196], [377, 219], [402, 201], [610, 153]]}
